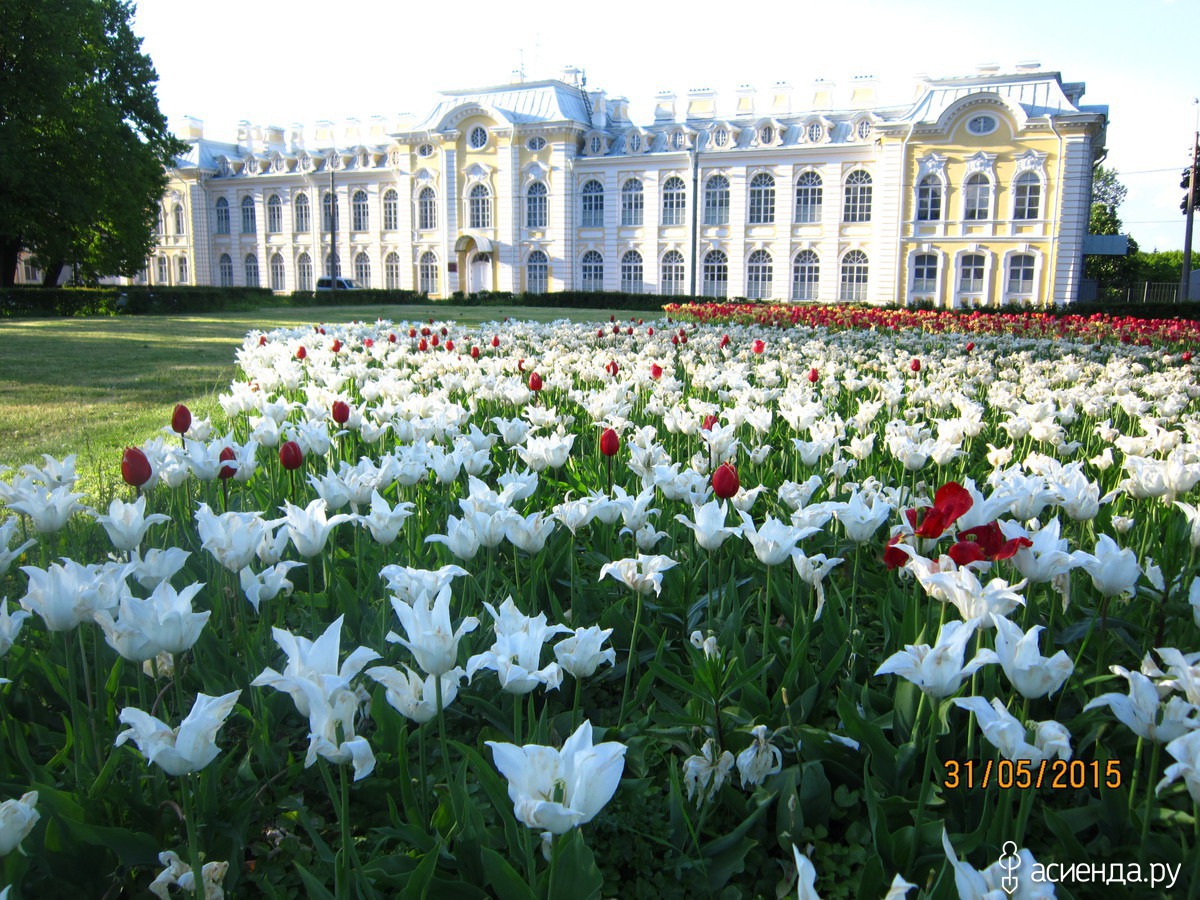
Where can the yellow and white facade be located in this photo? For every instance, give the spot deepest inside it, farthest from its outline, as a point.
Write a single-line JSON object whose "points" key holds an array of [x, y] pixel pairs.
{"points": [[976, 193]]}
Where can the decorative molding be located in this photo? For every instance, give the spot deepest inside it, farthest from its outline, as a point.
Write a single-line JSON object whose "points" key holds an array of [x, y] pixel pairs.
{"points": [[1032, 161], [982, 162], [931, 164]]}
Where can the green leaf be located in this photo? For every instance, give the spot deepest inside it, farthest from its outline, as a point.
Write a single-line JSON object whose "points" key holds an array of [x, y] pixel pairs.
{"points": [[574, 874], [315, 888], [418, 885], [503, 878]]}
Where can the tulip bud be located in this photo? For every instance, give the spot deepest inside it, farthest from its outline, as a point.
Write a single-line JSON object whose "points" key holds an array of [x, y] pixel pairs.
{"points": [[915, 365], [535, 381], [495, 340], [724, 341], [813, 375], [1187, 356], [181, 419], [445, 331], [709, 422], [725, 481], [599, 332], [135, 467], [423, 346], [759, 346], [683, 339], [474, 353], [520, 365], [612, 318], [291, 457], [301, 352], [610, 443], [650, 332], [639, 321], [262, 340], [449, 346], [412, 332], [392, 337], [612, 368], [336, 345], [227, 455], [970, 346], [656, 371], [435, 340], [341, 412]]}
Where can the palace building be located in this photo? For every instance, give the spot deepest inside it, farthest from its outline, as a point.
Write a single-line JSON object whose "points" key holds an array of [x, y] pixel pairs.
{"points": [[976, 192]]}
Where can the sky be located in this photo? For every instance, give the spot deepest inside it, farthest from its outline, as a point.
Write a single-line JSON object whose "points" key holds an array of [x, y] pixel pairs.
{"points": [[224, 61]]}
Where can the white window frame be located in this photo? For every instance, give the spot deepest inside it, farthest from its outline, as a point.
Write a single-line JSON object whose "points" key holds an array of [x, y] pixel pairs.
{"points": [[1027, 197], [591, 271], [715, 274], [761, 205], [672, 272], [250, 265], [428, 273], [225, 270], [854, 277], [633, 202], [427, 209], [806, 275], [479, 206], [592, 204], [810, 190], [674, 203], [537, 205], [249, 218], [222, 210], [304, 272], [274, 214], [362, 269], [537, 273], [302, 214], [931, 195], [360, 211], [857, 197], [632, 272], [391, 210], [716, 200], [760, 273], [278, 272], [978, 197], [391, 271]]}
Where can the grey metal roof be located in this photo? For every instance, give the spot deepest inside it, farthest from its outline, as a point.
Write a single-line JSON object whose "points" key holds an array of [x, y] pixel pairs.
{"points": [[1038, 94], [527, 103]]}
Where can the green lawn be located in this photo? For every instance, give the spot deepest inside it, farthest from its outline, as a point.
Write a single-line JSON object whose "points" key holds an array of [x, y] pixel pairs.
{"points": [[95, 386]]}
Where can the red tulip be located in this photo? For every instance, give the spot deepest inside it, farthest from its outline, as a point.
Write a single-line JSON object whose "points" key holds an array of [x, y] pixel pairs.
{"points": [[683, 339], [412, 332], [616, 329], [336, 346], [724, 341], [813, 375], [445, 331], [656, 371], [262, 340], [341, 412], [610, 442], [675, 339], [449, 346], [758, 346], [725, 481], [291, 457], [599, 332], [424, 345], [650, 332], [227, 455], [915, 365], [435, 340], [709, 422], [612, 367], [1187, 356], [495, 340], [392, 337], [181, 419], [535, 381], [970, 346], [612, 318], [368, 343], [301, 352], [629, 331], [520, 365], [135, 467], [474, 353]]}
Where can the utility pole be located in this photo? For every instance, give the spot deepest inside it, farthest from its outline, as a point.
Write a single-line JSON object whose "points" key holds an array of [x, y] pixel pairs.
{"points": [[1185, 281]]}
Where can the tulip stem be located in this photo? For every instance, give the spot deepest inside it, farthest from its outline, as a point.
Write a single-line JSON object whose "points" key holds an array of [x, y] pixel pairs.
{"points": [[441, 717], [930, 752], [1154, 757], [637, 619], [193, 837]]}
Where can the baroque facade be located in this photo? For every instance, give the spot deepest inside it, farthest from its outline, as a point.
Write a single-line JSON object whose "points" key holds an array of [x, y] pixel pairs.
{"points": [[977, 192]]}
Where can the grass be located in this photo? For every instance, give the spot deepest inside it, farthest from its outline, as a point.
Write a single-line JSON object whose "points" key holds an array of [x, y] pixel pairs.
{"points": [[94, 386]]}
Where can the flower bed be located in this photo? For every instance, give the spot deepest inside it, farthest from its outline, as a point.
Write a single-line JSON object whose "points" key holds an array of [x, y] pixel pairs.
{"points": [[628, 609]]}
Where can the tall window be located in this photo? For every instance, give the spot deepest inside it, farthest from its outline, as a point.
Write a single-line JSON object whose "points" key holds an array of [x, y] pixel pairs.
{"points": [[391, 210], [857, 205], [181, 270], [177, 215], [1027, 196], [304, 273], [360, 216], [303, 213], [164, 272], [333, 265], [977, 197], [758, 275], [391, 271], [592, 272], [329, 212], [362, 269], [248, 224], [971, 274], [277, 273], [674, 205], [854, 276], [222, 216], [672, 273], [535, 206], [593, 205], [251, 270], [427, 209], [537, 273], [925, 266], [224, 270], [274, 214], [631, 272], [427, 273], [808, 198], [715, 274], [631, 202], [716, 201], [929, 199], [806, 272], [1020, 274], [162, 226], [762, 199], [480, 207]]}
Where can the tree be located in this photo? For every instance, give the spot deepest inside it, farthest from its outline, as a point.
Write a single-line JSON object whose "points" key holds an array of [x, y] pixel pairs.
{"points": [[1114, 273], [1106, 189], [83, 144]]}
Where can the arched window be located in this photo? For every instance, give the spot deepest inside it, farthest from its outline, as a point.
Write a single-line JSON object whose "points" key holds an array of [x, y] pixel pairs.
{"points": [[929, 199], [251, 270], [360, 216], [391, 210], [537, 273], [592, 272], [759, 275], [302, 213], [631, 202], [181, 270], [329, 212], [391, 271], [535, 205], [333, 265], [177, 215], [716, 201], [225, 270], [674, 202], [977, 198], [808, 198], [631, 272], [762, 199], [671, 273], [854, 276], [593, 205], [164, 270], [304, 272], [857, 204], [925, 266], [1020, 273], [972, 268], [1027, 196], [362, 270], [222, 216], [277, 273], [427, 209], [274, 214], [715, 273], [480, 214], [427, 273], [249, 226], [806, 273]]}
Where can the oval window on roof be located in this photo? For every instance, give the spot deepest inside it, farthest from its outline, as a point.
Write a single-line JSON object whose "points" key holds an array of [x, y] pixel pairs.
{"points": [[981, 125], [596, 144], [864, 129], [815, 132], [536, 143], [478, 137], [720, 137], [425, 150], [635, 142]]}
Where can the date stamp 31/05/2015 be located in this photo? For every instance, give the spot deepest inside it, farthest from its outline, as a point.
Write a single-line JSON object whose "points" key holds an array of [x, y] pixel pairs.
{"points": [[1023, 774]]}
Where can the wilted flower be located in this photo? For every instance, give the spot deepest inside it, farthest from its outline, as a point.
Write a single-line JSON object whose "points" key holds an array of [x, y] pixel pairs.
{"points": [[1008, 735], [706, 772], [188, 748], [17, 818], [758, 760], [179, 874]]}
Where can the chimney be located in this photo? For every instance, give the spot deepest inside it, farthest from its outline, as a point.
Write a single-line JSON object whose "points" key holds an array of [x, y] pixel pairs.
{"points": [[244, 134], [192, 130], [988, 69], [599, 109], [618, 109], [745, 100], [296, 136], [1029, 65], [702, 103], [862, 95], [664, 107], [781, 99], [378, 128], [324, 134], [822, 94], [273, 138]]}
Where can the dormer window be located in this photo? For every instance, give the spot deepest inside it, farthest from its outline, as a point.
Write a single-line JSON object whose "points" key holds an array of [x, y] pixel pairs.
{"points": [[536, 143], [864, 130], [635, 142], [720, 137], [478, 138], [815, 132], [596, 145], [278, 164], [249, 166], [981, 125], [305, 162], [425, 150], [678, 140], [364, 160], [766, 135], [394, 157]]}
